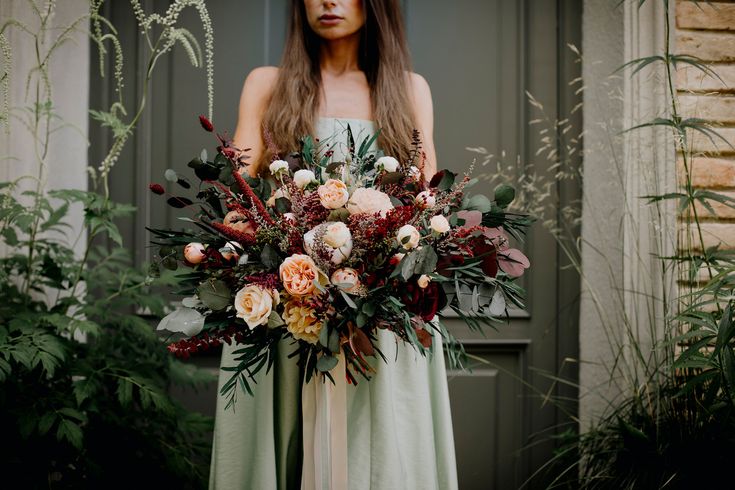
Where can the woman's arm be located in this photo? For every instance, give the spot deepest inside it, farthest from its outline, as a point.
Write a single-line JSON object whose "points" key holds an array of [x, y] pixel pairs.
{"points": [[424, 111], [255, 93]]}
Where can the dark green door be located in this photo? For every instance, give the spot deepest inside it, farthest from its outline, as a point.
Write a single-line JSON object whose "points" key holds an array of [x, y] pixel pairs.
{"points": [[479, 57]]}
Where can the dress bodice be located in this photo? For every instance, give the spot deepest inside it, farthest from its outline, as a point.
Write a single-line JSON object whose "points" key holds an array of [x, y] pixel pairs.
{"points": [[332, 131]]}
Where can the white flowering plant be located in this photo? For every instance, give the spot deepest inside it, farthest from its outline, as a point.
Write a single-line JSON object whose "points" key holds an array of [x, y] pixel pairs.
{"points": [[335, 252]]}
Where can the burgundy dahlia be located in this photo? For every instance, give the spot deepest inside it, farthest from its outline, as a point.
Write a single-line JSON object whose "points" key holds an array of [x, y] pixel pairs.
{"points": [[424, 302]]}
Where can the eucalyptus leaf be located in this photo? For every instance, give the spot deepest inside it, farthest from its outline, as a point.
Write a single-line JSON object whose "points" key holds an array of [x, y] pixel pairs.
{"points": [[171, 175], [407, 265], [504, 195], [497, 304], [214, 294], [326, 363], [426, 260], [182, 320], [269, 257], [478, 202], [275, 320]]}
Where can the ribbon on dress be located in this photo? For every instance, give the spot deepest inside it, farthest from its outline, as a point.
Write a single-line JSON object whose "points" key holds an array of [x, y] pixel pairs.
{"points": [[324, 408]]}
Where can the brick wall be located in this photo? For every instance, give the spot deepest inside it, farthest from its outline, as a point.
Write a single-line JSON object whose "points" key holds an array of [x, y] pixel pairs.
{"points": [[707, 30]]}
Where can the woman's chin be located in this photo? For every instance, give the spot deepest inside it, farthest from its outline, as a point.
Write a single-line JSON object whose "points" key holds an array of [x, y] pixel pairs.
{"points": [[334, 33]]}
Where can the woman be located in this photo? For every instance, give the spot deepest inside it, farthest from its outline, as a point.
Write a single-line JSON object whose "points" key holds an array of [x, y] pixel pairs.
{"points": [[345, 62]]}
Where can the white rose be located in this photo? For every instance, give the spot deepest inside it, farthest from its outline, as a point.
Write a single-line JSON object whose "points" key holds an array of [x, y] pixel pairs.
{"points": [[278, 166], [194, 253], [408, 237], [439, 224], [254, 304], [388, 164], [336, 234], [333, 194], [370, 201], [346, 279], [423, 281], [303, 177], [336, 237], [426, 199]]}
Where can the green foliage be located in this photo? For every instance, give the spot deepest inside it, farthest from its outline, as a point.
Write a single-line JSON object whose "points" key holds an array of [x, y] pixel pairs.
{"points": [[64, 401], [84, 381]]}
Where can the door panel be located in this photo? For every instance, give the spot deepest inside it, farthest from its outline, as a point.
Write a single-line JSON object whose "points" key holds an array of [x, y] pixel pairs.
{"points": [[479, 57]]}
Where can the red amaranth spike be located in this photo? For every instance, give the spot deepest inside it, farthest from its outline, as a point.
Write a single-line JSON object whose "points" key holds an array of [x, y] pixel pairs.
{"points": [[243, 238], [257, 203]]}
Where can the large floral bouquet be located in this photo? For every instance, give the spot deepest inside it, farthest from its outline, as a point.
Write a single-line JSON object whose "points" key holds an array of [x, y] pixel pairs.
{"points": [[336, 252]]}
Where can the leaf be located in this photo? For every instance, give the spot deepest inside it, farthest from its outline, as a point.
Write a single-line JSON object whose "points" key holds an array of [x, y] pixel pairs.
{"points": [[368, 308], [171, 175], [46, 422], [184, 320], [504, 195], [71, 432], [214, 294], [269, 257], [55, 217], [275, 320], [361, 320], [360, 343], [348, 300], [478, 202], [443, 180], [85, 388], [73, 413], [407, 265], [283, 205], [497, 304], [391, 178], [326, 363], [426, 260], [725, 330], [179, 202], [124, 391]]}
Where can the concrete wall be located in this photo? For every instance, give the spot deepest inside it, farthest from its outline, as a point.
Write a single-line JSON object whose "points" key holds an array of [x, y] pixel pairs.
{"points": [[621, 233]]}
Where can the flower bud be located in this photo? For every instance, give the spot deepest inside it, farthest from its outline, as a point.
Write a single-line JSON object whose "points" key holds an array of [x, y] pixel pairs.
{"points": [[387, 164], [303, 177], [194, 253], [408, 237], [426, 199], [439, 224]]}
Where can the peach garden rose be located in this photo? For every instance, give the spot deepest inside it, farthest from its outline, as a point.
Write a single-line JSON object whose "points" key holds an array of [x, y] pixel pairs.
{"points": [[298, 273], [333, 194]]}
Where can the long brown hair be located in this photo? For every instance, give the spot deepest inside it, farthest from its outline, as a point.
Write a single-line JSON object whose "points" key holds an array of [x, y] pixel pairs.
{"points": [[383, 56]]}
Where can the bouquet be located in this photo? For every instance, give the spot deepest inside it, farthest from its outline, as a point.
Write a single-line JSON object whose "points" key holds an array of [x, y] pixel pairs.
{"points": [[337, 251]]}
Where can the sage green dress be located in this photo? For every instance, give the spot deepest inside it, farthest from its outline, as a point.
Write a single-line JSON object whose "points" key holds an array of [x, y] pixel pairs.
{"points": [[399, 425]]}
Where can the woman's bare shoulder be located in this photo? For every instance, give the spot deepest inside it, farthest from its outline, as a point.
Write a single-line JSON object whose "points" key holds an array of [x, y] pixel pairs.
{"points": [[421, 94], [261, 79]]}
